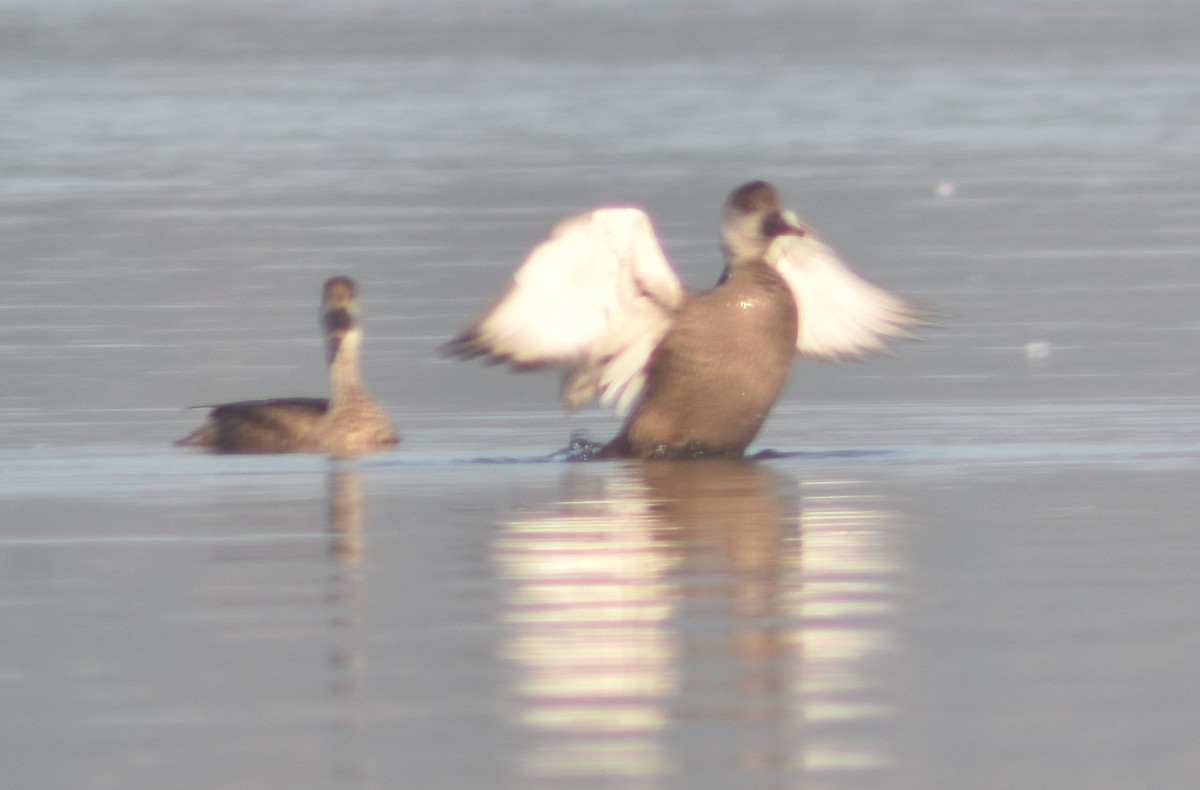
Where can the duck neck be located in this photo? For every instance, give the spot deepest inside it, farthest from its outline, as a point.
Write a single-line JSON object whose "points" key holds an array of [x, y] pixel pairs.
{"points": [[345, 383], [743, 269]]}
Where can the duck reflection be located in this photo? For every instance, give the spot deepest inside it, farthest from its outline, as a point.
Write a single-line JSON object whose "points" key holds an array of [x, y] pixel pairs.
{"points": [[345, 527], [692, 620], [345, 518]]}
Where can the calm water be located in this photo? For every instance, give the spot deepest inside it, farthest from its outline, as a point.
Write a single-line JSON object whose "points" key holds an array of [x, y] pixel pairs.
{"points": [[973, 565]]}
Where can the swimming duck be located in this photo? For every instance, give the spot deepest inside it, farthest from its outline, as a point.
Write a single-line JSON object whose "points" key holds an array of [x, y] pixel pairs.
{"points": [[348, 423], [697, 372]]}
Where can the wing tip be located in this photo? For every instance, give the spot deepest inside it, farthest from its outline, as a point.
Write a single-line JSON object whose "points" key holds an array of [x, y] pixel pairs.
{"points": [[469, 346], [463, 346], [899, 323]]}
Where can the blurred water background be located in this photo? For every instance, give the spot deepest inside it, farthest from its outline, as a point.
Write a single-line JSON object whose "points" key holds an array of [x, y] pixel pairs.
{"points": [[974, 567]]}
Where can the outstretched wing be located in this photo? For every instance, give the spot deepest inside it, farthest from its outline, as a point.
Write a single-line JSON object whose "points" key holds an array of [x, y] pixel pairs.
{"points": [[595, 297], [840, 313]]}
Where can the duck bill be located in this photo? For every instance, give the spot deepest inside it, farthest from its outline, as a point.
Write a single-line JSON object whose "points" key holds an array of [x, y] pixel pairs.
{"points": [[782, 223], [338, 322], [791, 224]]}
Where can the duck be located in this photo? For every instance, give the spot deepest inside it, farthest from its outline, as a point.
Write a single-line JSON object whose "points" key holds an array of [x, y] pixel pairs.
{"points": [[347, 424], [695, 372]]}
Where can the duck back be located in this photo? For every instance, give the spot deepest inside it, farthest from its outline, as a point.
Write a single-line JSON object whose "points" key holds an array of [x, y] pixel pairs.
{"points": [[279, 425]]}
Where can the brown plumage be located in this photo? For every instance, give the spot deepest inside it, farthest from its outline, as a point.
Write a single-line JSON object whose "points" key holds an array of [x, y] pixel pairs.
{"points": [[698, 371], [349, 423]]}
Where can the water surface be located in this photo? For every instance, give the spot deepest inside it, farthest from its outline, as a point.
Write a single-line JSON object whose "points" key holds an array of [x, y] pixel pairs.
{"points": [[967, 564]]}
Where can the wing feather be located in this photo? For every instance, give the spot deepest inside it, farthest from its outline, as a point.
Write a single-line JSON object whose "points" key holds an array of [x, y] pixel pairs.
{"points": [[595, 298], [841, 314]]}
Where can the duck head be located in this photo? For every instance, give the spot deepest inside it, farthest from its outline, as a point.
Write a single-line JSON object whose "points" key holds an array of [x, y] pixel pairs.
{"points": [[752, 220], [340, 313]]}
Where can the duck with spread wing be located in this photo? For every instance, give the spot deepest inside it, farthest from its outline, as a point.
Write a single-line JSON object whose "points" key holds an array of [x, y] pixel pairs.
{"points": [[697, 372]]}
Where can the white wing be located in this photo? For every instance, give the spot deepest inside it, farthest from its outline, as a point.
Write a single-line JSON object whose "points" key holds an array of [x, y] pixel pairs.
{"points": [[841, 314], [595, 297]]}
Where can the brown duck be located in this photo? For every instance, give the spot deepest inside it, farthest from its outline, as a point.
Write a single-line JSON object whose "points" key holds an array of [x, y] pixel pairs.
{"points": [[349, 423], [698, 372]]}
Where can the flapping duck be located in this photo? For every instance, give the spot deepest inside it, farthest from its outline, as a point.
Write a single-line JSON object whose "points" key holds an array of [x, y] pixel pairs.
{"points": [[697, 372]]}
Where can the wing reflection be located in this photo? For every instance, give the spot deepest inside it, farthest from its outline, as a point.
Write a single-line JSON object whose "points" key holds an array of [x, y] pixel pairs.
{"points": [[845, 631], [589, 605], [666, 621]]}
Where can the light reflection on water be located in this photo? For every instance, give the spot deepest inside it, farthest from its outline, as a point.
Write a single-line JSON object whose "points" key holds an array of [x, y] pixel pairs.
{"points": [[589, 610], [649, 605], [847, 603]]}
